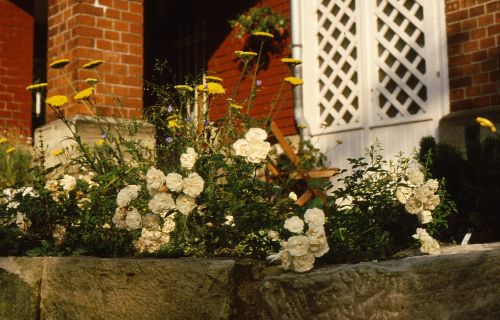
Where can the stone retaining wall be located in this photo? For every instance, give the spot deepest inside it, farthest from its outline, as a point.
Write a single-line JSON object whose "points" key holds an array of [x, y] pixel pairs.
{"points": [[462, 283]]}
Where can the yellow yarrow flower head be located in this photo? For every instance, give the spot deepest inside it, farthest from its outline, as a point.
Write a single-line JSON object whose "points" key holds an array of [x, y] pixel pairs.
{"points": [[91, 81], [57, 101], [486, 123], [263, 35], [10, 150], [212, 88], [36, 87], [245, 54], [92, 64], [290, 62], [235, 106], [213, 79], [294, 81], [59, 64], [57, 152], [174, 122], [3, 140], [100, 142], [84, 94], [183, 88]]}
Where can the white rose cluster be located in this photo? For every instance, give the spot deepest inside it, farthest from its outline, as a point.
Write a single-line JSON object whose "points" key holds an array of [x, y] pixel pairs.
{"points": [[419, 197], [427, 243], [170, 193], [253, 147], [301, 250], [61, 187]]}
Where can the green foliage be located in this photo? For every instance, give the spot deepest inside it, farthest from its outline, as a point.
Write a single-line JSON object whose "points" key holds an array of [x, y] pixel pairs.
{"points": [[15, 161], [472, 183], [262, 19], [365, 220]]}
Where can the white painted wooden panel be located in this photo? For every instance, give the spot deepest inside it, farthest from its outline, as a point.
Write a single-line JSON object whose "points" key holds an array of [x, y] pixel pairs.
{"points": [[373, 70]]}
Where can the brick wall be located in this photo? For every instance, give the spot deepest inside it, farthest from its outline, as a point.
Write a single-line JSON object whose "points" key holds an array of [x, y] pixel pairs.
{"points": [[225, 64], [16, 67], [473, 28], [110, 30]]}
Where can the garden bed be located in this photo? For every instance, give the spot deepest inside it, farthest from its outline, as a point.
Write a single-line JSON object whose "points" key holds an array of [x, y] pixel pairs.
{"points": [[461, 283]]}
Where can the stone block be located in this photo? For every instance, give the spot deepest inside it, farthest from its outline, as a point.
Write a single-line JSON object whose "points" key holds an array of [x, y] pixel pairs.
{"points": [[92, 288], [20, 279], [462, 283]]}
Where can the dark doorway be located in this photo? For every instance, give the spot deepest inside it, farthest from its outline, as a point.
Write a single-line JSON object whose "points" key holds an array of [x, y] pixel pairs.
{"points": [[185, 33]]}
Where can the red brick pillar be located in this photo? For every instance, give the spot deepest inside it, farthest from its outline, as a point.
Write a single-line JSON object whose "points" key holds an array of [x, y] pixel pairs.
{"points": [[16, 67], [473, 29], [108, 30]]}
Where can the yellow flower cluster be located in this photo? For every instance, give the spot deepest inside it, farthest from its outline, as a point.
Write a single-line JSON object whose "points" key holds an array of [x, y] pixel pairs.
{"points": [[3, 140], [262, 34], [213, 79], [84, 94], [235, 106], [100, 142], [486, 123], [291, 62], [245, 54], [57, 101], [174, 122], [294, 81], [212, 88], [10, 150], [92, 64], [57, 152], [58, 64], [91, 81], [36, 86], [183, 88]]}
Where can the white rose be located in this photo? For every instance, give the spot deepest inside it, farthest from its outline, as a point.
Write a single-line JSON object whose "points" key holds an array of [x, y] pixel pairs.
{"points": [[22, 222], [414, 206], [188, 159], [174, 182], [127, 194], [403, 194], [421, 234], [193, 185], [155, 179], [169, 224], [430, 246], [133, 219], [425, 216], [257, 151], [416, 177], [240, 147], [298, 245], [303, 263], [273, 235], [29, 191], [314, 217], [294, 224], [433, 184], [318, 244], [292, 196], [229, 220], [52, 185], [161, 203], [58, 233], [13, 205], [67, 182], [151, 221], [256, 134], [119, 218], [422, 193], [106, 226], [185, 204], [432, 202]]}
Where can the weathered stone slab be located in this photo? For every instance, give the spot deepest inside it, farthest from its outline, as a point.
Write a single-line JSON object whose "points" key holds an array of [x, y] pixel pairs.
{"points": [[20, 279], [92, 288], [462, 283]]}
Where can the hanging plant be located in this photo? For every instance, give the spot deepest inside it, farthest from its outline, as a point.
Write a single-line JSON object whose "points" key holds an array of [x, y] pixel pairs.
{"points": [[262, 19]]}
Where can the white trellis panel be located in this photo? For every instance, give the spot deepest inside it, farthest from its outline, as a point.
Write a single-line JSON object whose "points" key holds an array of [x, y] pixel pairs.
{"points": [[374, 70]]}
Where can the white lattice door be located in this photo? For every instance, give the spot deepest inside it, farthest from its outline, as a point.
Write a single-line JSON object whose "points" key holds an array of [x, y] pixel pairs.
{"points": [[373, 70]]}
